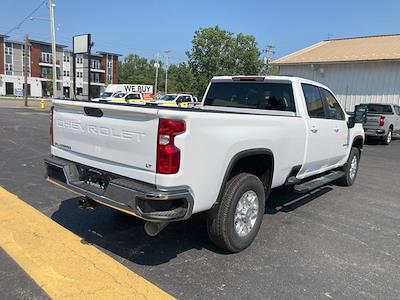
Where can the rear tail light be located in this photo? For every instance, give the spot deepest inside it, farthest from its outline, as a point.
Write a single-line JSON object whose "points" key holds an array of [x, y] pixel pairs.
{"points": [[51, 125], [168, 155], [382, 121]]}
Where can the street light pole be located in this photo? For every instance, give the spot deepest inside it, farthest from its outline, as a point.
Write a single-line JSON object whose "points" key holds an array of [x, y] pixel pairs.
{"points": [[156, 65], [26, 69], [166, 70], [53, 46]]}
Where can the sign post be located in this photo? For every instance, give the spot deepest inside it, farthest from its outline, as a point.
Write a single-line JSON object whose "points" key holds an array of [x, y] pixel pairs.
{"points": [[82, 44]]}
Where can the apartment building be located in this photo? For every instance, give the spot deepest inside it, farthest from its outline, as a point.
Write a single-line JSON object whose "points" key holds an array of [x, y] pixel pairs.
{"points": [[104, 70]]}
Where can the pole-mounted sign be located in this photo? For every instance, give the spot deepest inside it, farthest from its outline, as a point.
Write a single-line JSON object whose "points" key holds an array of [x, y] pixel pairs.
{"points": [[81, 44]]}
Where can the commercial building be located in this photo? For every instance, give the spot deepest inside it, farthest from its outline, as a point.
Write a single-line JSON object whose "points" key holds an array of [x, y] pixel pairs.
{"points": [[104, 70], [358, 70]]}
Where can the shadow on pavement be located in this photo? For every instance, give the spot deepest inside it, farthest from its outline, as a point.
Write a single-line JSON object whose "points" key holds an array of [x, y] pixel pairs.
{"points": [[124, 235]]}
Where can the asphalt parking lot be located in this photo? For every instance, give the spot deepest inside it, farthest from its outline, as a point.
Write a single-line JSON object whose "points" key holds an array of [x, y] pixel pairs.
{"points": [[335, 243]]}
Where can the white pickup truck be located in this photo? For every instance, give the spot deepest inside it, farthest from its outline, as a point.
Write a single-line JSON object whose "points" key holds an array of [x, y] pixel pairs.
{"points": [[163, 164]]}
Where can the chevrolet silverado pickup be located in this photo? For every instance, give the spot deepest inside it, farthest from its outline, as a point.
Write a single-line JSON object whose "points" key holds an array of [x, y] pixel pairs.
{"points": [[163, 164], [383, 120]]}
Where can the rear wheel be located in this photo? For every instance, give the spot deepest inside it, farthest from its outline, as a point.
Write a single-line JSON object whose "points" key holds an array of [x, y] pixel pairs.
{"points": [[388, 138], [350, 168], [234, 223]]}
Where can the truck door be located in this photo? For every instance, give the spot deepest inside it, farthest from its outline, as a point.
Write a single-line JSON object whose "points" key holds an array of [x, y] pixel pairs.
{"points": [[340, 131], [326, 137]]}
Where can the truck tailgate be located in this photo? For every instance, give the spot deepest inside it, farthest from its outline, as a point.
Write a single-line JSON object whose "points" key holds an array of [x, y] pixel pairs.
{"points": [[372, 121], [115, 138]]}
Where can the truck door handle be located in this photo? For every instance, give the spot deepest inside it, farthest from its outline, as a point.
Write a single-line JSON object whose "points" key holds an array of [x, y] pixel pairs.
{"points": [[336, 129], [314, 129]]}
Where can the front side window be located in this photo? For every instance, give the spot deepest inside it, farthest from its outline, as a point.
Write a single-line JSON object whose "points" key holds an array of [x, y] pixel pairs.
{"points": [[397, 109], [334, 110], [315, 106], [262, 95]]}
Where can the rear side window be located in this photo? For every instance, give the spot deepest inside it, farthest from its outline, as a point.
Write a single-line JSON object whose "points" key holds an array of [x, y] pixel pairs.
{"points": [[261, 95], [334, 109], [315, 106]]}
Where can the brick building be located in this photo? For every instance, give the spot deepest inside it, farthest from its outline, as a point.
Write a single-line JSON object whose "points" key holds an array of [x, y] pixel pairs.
{"points": [[104, 69]]}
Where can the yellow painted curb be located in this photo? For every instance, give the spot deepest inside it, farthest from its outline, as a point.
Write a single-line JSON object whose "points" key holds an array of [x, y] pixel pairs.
{"points": [[59, 263]]}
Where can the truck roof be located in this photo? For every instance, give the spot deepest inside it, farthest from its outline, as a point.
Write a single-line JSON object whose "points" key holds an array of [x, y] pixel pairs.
{"points": [[268, 78]]}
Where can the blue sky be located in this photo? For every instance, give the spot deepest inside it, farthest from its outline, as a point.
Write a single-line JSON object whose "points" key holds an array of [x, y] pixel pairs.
{"points": [[151, 26]]}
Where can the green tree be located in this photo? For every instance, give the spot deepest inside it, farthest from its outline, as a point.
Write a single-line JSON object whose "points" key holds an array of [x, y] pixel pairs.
{"points": [[136, 69], [180, 79], [219, 52]]}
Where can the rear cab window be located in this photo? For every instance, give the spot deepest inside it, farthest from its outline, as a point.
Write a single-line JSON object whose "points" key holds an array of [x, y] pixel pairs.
{"points": [[315, 105], [252, 95], [380, 109]]}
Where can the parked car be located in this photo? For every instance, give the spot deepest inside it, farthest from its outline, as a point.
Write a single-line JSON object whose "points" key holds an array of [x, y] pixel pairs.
{"points": [[383, 120], [181, 100], [164, 164], [121, 97]]}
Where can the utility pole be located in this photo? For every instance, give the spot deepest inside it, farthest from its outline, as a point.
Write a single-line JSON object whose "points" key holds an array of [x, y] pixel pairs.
{"points": [[166, 70], [157, 66], [269, 53], [26, 64], [53, 46]]}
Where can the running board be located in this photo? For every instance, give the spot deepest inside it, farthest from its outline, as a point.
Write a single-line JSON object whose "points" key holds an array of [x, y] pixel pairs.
{"points": [[318, 182]]}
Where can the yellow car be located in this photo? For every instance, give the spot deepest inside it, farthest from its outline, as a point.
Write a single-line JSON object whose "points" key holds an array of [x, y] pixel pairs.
{"points": [[179, 100], [122, 97]]}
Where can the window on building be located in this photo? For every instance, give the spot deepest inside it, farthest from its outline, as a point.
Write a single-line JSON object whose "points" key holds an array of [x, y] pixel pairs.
{"points": [[109, 78], [315, 106], [95, 64], [66, 58], [66, 73], [46, 57], [334, 109], [8, 49], [79, 91]]}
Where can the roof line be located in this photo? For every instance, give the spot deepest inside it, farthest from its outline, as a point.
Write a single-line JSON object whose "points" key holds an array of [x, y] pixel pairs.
{"points": [[362, 37], [301, 51]]}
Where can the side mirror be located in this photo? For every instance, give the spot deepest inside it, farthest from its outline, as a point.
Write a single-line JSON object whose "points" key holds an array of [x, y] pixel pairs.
{"points": [[360, 114], [351, 122]]}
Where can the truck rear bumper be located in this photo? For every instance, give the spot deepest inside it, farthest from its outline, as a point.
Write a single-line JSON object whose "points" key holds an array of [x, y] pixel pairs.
{"points": [[130, 196], [375, 132]]}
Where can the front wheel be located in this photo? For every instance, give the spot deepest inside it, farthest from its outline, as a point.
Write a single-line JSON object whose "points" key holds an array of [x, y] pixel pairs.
{"points": [[234, 223], [350, 168]]}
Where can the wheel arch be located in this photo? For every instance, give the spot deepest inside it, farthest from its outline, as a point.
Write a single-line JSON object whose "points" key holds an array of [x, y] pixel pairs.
{"points": [[358, 142], [244, 162]]}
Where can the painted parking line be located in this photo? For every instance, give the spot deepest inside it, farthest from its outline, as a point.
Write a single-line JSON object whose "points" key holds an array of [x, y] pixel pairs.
{"points": [[59, 263]]}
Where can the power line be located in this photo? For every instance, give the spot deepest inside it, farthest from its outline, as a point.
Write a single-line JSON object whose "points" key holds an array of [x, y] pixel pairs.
{"points": [[26, 18]]}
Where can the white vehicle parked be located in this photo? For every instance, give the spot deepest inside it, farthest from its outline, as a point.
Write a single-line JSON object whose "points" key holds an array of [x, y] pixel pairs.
{"points": [[113, 89], [163, 164]]}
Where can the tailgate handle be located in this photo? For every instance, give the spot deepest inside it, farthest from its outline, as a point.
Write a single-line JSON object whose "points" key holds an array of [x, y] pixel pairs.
{"points": [[93, 112]]}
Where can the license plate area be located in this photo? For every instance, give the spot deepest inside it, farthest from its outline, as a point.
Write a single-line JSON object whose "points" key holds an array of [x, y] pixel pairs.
{"points": [[95, 178]]}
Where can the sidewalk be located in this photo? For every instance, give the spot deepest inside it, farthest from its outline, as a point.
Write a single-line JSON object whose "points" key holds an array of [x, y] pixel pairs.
{"points": [[19, 103]]}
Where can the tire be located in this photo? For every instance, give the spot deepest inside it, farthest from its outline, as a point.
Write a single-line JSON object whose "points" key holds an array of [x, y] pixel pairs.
{"points": [[350, 174], [388, 138], [221, 219]]}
